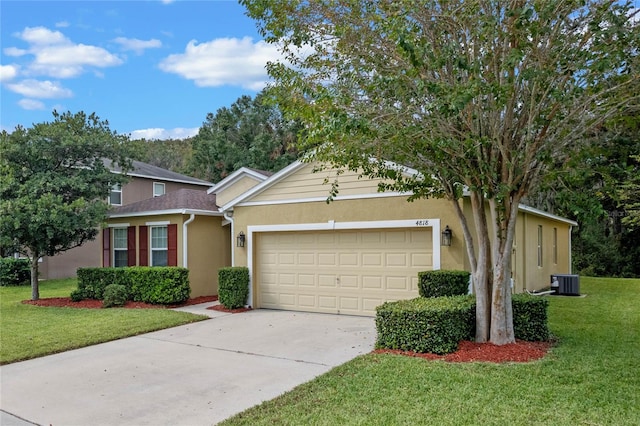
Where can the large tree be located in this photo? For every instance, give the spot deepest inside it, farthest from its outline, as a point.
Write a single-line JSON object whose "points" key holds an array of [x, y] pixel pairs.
{"points": [[54, 183], [249, 133], [479, 96]]}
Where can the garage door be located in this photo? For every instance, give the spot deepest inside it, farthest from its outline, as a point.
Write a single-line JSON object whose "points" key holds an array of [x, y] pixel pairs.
{"points": [[347, 272]]}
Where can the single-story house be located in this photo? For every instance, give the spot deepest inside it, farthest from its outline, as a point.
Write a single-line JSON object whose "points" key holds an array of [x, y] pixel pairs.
{"points": [[347, 256]]}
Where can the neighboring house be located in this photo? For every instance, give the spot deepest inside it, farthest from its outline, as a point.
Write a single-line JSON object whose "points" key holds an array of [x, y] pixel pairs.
{"points": [[146, 181], [305, 254]]}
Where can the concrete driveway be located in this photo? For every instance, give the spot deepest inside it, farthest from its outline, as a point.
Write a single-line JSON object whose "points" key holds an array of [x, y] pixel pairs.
{"points": [[197, 374]]}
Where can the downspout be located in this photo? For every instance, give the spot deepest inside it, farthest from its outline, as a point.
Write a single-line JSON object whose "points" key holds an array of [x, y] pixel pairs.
{"points": [[229, 217], [570, 250], [185, 256]]}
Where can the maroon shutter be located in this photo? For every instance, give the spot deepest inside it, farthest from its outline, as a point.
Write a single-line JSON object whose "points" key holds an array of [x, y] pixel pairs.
{"points": [[172, 242], [143, 259], [106, 247], [131, 246]]}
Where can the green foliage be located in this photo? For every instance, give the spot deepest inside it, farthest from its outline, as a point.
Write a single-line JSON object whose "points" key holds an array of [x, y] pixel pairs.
{"points": [[171, 154], [597, 193], [14, 271], [54, 183], [114, 295], [233, 285], [250, 133], [443, 283], [434, 325], [157, 285], [530, 319], [438, 324]]}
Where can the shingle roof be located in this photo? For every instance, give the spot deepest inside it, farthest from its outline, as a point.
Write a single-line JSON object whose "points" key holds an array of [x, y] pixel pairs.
{"points": [[145, 170], [182, 199]]}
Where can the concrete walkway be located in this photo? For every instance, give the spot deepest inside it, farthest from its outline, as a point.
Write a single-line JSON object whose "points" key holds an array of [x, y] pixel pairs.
{"points": [[196, 374]]}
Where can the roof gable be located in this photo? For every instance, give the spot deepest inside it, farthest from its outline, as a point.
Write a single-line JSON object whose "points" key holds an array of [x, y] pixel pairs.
{"points": [[298, 182]]}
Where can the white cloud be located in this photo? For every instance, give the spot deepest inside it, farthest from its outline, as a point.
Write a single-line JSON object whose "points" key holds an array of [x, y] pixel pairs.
{"points": [[163, 134], [14, 51], [62, 24], [137, 45], [224, 61], [40, 89], [8, 72], [31, 104], [57, 56]]}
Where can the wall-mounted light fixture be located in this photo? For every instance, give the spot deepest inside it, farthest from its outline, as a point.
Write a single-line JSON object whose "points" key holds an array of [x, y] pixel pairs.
{"points": [[446, 236], [240, 239]]}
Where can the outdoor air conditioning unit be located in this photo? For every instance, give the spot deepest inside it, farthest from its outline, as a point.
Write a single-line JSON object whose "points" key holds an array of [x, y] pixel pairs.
{"points": [[565, 285]]}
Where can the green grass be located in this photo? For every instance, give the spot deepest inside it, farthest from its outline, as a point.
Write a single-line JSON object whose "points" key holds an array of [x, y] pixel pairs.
{"points": [[592, 377], [32, 331]]}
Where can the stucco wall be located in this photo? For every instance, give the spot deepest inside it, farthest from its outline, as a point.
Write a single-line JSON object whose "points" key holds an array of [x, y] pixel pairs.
{"points": [[371, 209]]}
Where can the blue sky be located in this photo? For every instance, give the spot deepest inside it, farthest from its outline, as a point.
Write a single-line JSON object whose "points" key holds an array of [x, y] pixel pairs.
{"points": [[153, 69]]}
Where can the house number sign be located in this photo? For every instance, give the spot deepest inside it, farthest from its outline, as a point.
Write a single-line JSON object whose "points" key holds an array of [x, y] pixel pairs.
{"points": [[422, 222]]}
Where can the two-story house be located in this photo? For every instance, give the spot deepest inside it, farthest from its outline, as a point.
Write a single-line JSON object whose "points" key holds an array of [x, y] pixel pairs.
{"points": [[146, 181]]}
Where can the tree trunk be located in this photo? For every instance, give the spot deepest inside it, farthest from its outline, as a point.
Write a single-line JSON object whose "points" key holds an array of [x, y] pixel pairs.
{"points": [[35, 290], [501, 310], [482, 274]]}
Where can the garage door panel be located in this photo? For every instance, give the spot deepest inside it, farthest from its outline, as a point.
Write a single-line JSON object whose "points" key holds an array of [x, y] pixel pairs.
{"points": [[396, 260], [340, 271], [328, 302], [327, 259], [372, 259]]}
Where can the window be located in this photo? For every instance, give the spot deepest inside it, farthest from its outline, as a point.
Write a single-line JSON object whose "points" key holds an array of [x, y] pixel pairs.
{"points": [[158, 189], [159, 246], [115, 198], [555, 246], [540, 246], [120, 253]]}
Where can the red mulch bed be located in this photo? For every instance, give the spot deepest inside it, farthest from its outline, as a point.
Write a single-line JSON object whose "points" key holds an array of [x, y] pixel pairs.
{"points": [[66, 302], [221, 308], [521, 351]]}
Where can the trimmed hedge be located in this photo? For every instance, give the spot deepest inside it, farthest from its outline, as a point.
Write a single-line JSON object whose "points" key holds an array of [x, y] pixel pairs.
{"points": [[157, 285], [443, 283], [233, 286], [14, 272], [438, 324], [434, 325], [530, 318]]}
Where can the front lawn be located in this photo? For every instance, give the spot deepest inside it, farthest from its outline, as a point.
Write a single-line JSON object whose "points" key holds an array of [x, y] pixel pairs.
{"points": [[592, 377], [31, 331]]}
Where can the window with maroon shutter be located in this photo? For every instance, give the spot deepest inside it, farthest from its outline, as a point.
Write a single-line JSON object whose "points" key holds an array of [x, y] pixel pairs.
{"points": [[143, 255], [106, 247], [131, 246]]}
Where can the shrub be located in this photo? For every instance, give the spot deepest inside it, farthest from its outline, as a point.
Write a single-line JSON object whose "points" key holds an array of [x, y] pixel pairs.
{"points": [[434, 325], [158, 285], [443, 283], [233, 285], [14, 272], [530, 317], [164, 285], [115, 295]]}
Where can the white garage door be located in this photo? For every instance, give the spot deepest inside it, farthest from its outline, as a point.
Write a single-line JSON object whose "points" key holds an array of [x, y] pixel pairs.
{"points": [[347, 272]]}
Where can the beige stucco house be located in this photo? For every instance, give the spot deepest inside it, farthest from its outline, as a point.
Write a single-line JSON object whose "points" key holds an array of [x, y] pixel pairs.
{"points": [[347, 256]]}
